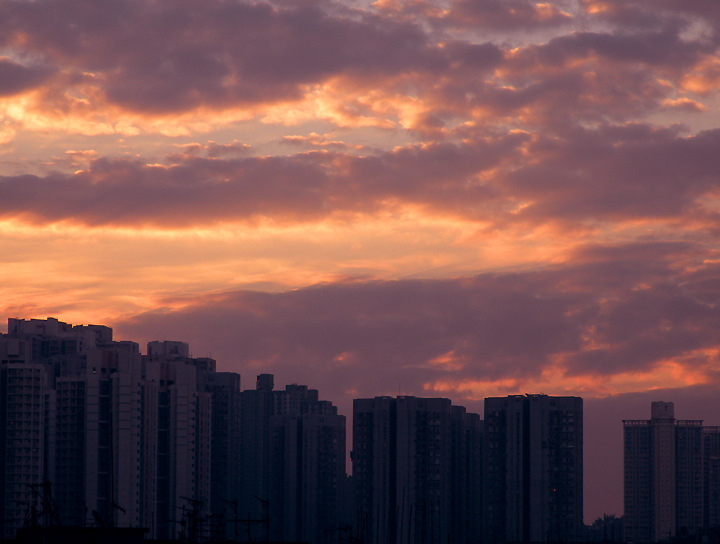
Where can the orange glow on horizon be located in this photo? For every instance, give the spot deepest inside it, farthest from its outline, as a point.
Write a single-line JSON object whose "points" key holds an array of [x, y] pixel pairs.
{"points": [[553, 380]]}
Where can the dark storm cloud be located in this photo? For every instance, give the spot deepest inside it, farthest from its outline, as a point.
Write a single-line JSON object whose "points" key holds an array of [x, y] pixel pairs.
{"points": [[362, 334], [629, 173], [199, 191], [488, 327], [663, 48], [591, 76], [164, 57], [638, 14], [173, 56], [15, 78], [505, 14], [595, 76], [619, 173]]}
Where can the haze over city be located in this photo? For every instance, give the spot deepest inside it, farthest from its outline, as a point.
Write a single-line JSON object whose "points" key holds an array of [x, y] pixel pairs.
{"points": [[460, 199]]}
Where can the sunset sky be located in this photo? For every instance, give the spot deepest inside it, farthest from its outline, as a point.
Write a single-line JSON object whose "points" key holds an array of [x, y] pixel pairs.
{"points": [[458, 198]]}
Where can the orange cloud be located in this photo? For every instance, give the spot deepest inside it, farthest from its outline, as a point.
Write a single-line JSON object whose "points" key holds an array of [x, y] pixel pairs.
{"points": [[555, 381]]}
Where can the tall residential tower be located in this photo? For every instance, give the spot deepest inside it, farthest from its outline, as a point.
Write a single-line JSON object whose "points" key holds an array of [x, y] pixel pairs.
{"points": [[415, 470], [533, 460], [293, 463], [663, 475]]}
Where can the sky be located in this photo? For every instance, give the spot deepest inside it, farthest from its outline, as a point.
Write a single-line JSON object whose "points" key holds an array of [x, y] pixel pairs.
{"points": [[457, 198]]}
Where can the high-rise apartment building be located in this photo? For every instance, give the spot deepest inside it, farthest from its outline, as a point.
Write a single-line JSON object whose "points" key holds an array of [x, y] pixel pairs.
{"points": [[689, 495], [533, 461], [117, 438], [466, 434], [711, 477], [22, 431], [663, 475], [257, 406], [293, 463], [184, 418], [225, 449], [80, 419], [411, 460], [307, 453]]}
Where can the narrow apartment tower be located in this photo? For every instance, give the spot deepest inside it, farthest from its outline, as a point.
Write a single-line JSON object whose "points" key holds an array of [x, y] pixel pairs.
{"points": [[225, 450], [711, 477], [689, 485], [533, 479], [22, 432], [255, 412], [466, 476], [183, 437], [663, 459]]}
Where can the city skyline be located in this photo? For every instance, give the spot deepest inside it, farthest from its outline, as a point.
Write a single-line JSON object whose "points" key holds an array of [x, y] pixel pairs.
{"points": [[95, 434], [136, 440], [442, 198]]}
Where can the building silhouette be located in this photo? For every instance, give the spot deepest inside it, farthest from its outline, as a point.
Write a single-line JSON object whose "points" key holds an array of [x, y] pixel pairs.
{"points": [[293, 463], [711, 477], [22, 431], [533, 469], [77, 408], [466, 434], [256, 410], [165, 442], [224, 388], [663, 475], [307, 467], [117, 439], [415, 471], [182, 436]]}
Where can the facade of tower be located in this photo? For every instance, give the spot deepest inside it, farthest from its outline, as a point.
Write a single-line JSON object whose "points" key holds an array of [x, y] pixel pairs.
{"points": [[225, 449], [22, 431], [711, 477], [663, 475], [256, 408], [688, 476], [410, 463], [466, 434], [533, 469]]}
